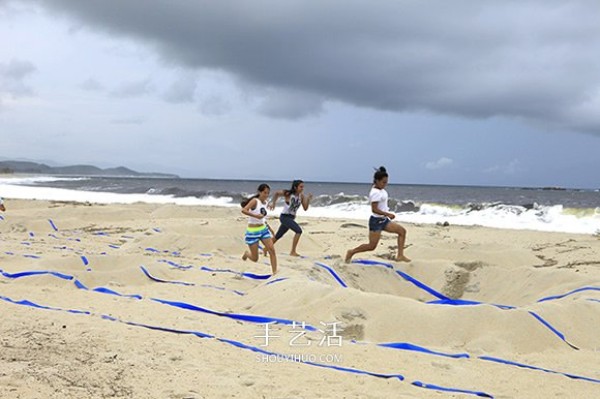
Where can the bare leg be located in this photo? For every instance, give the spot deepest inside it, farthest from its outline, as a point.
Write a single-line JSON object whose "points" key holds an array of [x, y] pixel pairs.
{"points": [[265, 252], [295, 245], [401, 231], [374, 237], [268, 243], [252, 254]]}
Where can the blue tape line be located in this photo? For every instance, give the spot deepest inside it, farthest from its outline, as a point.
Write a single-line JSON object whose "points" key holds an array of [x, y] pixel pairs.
{"points": [[549, 298], [147, 273], [85, 260], [104, 290], [333, 273], [1, 217], [36, 273], [243, 274], [411, 347], [114, 246], [222, 289], [100, 233], [526, 366], [454, 302], [32, 256], [25, 302], [243, 317], [404, 276], [202, 335], [593, 300], [80, 285], [554, 330], [373, 263], [258, 350], [277, 280], [152, 249], [63, 276], [440, 388], [31, 234], [52, 224], [174, 264], [421, 285], [463, 302]]}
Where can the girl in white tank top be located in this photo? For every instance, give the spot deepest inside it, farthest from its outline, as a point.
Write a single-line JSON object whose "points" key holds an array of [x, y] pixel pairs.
{"points": [[258, 230]]}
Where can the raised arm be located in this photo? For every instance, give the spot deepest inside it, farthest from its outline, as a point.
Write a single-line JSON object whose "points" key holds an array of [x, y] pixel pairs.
{"points": [[306, 200], [278, 194]]}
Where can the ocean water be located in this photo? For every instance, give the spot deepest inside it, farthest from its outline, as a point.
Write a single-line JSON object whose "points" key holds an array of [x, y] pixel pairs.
{"points": [[573, 211]]}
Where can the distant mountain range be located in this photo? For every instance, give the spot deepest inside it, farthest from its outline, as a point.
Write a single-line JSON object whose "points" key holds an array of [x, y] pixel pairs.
{"points": [[74, 170]]}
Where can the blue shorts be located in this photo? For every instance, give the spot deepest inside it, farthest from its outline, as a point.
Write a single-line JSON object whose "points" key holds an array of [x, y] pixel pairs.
{"points": [[378, 224], [255, 234]]}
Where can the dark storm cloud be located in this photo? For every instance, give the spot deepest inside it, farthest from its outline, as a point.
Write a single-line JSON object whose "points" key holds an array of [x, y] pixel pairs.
{"points": [[290, 105], [537, 60]]}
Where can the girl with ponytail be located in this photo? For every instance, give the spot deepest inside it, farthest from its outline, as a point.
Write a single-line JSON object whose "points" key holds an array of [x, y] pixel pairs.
{"points": [[294, 197], [381, 219], [255, 208]]}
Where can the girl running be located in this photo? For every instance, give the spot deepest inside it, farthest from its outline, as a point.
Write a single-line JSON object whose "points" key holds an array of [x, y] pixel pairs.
{"points": [[256, 209], [381, 219], [294, 197]]}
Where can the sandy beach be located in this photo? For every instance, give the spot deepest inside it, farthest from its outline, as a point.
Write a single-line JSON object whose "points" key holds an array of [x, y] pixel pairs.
{"points": [[154, 301]]}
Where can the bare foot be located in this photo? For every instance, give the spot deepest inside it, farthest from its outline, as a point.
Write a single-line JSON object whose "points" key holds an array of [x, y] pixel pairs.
{"points": [[402, 259], [348, 256], [294, 254], [245, 256]]}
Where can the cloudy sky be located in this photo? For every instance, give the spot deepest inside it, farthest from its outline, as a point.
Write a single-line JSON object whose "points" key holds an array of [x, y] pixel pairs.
{"points": [[478, 92]]}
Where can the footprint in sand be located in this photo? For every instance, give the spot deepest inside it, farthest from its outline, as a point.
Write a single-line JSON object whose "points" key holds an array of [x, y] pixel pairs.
{"points": [[457, 278]]}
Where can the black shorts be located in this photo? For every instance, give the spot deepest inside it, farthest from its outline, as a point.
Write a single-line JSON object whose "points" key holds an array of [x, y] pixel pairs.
{"points": [[378, 224]]}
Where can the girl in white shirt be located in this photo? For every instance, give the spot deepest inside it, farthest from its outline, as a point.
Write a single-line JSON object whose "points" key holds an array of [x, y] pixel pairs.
{"points": [[381, 219], [256, 209]]}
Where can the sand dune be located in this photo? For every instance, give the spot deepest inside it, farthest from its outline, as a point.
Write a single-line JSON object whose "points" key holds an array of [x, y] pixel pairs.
{"points": [[141, 331]]}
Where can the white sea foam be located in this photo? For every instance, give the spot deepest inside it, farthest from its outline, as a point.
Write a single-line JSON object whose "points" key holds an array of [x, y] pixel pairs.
{"points": [[550, 218], [17, 191], [37, 179], [540, 218]]}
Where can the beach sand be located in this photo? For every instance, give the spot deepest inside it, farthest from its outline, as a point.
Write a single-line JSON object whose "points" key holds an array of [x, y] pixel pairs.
{"points": [[142, 347]]}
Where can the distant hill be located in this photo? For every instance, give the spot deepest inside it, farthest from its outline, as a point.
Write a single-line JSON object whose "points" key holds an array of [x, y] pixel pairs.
{"points": [[74, 170]]}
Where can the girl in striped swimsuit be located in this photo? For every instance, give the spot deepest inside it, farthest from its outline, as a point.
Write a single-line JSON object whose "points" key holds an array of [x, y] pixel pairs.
{"points": [[256, 209]]}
